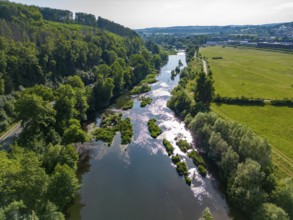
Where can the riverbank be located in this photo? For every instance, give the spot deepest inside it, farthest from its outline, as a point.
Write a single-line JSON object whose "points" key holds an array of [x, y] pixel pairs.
{"points": [[139, 180]]}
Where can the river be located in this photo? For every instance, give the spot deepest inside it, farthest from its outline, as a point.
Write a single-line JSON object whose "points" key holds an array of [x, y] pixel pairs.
{"points": [[138, 181]]}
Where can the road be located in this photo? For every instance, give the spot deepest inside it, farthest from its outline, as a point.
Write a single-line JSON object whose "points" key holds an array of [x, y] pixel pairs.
{"points": [[7, 138], [205, 69], [204, 63]]}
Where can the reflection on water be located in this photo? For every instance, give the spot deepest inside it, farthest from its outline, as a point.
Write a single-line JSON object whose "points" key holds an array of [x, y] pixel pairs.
{"points": [[139, 181]]}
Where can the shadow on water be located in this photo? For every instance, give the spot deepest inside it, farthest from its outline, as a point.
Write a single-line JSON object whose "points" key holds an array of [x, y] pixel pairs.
{"points": [[139, 181]]}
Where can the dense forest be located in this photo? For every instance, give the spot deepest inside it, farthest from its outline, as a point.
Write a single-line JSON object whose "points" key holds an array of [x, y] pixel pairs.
{"points": [[55, 71]]}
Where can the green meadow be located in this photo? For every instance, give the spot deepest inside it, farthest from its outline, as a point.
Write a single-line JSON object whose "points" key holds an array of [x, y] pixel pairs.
{"points": [[257, 74], [251, 73]]}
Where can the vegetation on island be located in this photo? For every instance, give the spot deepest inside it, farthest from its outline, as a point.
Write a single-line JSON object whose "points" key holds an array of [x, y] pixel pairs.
{"points": [[128, 105], [206, 215], [184, 145], [144, 101], [168, 146], [126, 131], [175, 159], [150, 79], [173, 74], [143, 88], [111, 124], [154, 129], [196, 158], [104, 134], [182, 170]]}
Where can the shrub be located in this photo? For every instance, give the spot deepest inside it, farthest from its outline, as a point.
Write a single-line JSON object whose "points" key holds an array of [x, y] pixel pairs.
{"points": [[110, 125], [182, 168], [284, 102], [239, 100], [104, 134], [168, 146], [145, 101], [183, 145], [128, 105], [202, 171], [150, 79], [126, 131], [187, 180], [196, 158], [175, 159], [143, 88], [154, 129]]}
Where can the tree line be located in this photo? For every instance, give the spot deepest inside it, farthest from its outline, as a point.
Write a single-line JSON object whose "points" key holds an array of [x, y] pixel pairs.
{"points": [[245, 166], [66, 16]]}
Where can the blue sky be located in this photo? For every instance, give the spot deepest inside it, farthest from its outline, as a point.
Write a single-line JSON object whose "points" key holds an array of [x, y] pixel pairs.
{"points": [[162, 13]]}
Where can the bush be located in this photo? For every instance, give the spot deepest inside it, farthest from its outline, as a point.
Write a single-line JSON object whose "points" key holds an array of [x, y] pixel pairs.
{"points": [[239, 100], [284, 102], [187, 180], [183, 145], [128, 105], [154, 129], [202, 171], [168, 146], [196, 158], [143, 88], [126, 131], [104, 134], [110, 125], [145, 101], [111, 121], [150, 79], [182, 168], [175, 159]]}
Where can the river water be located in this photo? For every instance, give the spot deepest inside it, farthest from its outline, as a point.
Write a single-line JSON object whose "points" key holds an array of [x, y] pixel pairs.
{"points": [[138, 181]]}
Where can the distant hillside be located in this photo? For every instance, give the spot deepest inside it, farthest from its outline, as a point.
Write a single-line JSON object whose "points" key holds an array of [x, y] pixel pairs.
{"points": [[266, 30], [115, 28], [66, 16]]}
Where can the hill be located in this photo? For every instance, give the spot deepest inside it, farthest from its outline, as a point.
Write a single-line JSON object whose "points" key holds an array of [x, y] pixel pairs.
{"points": [[284, 30], [37, 51]]}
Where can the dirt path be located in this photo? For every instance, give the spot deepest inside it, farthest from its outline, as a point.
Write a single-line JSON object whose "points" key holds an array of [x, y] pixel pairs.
{"points": [[11, 132], [205, 69]]}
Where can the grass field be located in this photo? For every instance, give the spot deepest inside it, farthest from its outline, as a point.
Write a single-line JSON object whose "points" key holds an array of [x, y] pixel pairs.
{"points": [[272, 123], [251, 73]]}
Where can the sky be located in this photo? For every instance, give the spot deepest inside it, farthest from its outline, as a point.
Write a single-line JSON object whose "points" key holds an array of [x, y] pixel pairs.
{"points": [[163, 13]]}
